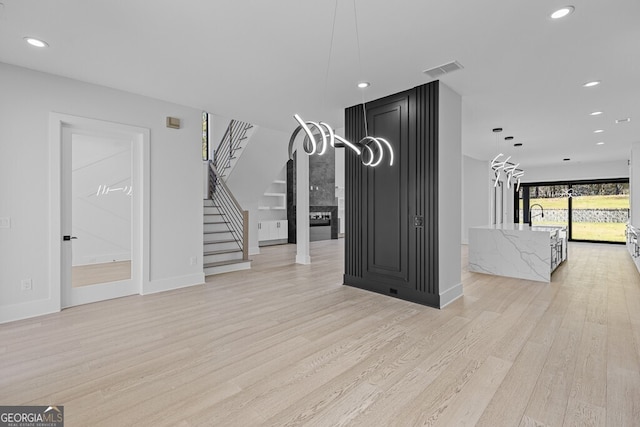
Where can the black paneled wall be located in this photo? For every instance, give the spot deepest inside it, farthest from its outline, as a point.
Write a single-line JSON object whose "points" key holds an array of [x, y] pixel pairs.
{"points": [[391, 239]]}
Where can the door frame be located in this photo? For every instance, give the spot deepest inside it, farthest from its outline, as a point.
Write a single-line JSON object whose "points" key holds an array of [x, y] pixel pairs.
{"points": [[140, 203]]}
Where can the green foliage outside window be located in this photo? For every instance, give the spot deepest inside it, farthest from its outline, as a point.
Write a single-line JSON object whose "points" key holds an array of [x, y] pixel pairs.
{"points": [[205, 135]]}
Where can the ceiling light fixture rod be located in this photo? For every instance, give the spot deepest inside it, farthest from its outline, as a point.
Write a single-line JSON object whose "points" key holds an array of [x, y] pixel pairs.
{"points": [[370, 149], [364, 107], [511, 170], [326, 75]]}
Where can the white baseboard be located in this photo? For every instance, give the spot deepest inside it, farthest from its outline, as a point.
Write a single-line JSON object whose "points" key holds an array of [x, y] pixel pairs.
{"points": [[172, 283], [254, 250], [212, 271], [450, 295], [26, 310], [303, 259]]}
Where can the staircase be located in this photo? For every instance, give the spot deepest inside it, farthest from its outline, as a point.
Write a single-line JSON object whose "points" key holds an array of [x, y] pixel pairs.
{"points": [[231, 146], [225, 230]]}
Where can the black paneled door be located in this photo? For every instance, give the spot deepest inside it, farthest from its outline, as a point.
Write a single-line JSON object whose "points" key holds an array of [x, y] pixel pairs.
{"points": [[387, 203], [391, 212]]}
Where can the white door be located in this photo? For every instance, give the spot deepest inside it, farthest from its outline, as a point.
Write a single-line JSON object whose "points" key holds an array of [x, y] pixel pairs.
{"points": [[97, 216]]}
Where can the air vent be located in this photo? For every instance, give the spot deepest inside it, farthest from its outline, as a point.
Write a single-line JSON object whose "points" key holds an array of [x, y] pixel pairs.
{"points": [[625, 120], [443, 69]]}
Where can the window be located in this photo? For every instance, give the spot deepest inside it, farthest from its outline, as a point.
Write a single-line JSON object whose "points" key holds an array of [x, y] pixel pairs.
{"points": [[593, 211], [205, 135], [600, 211]]}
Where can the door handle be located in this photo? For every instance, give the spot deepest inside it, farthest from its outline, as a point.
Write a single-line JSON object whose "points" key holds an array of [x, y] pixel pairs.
{"points": [[65, 238]]}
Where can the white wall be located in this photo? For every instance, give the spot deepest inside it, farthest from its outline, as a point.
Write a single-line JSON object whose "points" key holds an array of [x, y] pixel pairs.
{"points": [[476, 195], [27, 97], [576, 171], [449, 194], [274, 203]]}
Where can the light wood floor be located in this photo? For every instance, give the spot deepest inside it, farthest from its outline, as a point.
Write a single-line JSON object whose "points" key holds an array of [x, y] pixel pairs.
{"points": [[285, 344], [92, 274]]}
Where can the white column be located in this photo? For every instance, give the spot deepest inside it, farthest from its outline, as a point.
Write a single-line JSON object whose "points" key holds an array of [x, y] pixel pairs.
{"points": [[449, 188], [302, 208]]}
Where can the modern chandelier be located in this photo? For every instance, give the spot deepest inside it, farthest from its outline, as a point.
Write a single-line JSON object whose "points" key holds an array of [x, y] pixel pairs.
{"points": [[512, 171], [370, 149], [318, 136]]}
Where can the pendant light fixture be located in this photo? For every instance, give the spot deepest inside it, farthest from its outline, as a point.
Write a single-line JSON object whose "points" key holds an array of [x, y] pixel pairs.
{"points": [[318, 136], [512, 171]]}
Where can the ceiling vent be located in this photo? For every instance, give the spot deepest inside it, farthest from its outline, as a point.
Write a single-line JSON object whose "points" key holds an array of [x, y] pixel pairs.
{"points": [[443, 69]]}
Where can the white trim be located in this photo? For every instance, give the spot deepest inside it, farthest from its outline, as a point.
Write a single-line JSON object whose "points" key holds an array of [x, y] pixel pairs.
{"points": [[172, 283], [55, 214], [302, 209], [88, 294], [450, 295], [141, 177], [25, 310], [303, 259]]}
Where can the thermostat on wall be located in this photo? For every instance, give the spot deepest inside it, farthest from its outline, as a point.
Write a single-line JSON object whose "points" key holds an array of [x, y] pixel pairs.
{"points": [[173, 122]]}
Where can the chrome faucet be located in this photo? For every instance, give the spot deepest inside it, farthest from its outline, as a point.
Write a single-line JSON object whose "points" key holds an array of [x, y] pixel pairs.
{"points": [[540, 215]]}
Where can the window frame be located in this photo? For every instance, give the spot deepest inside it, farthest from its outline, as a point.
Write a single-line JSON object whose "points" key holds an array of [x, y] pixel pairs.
{"points": [[570, 184]]}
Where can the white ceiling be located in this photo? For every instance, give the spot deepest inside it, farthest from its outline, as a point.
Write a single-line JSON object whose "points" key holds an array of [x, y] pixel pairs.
{"points": [[262, 61]]}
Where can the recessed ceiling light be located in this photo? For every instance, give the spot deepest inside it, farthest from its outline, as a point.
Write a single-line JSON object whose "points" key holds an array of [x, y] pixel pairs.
{"points": [[600, 143], [518, 144], [598, 131], [497, 130], [566, 159], [625, 120], [508, 138], [36, 42], [595, 113], [591, 84], [362, 85], [561, 13]]}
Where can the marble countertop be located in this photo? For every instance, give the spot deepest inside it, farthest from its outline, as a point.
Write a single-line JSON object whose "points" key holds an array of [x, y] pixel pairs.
{"points": [[522, 227], [516, 250]]}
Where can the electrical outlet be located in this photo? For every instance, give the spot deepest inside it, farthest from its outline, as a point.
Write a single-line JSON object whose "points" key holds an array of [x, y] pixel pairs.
{"points": [[26, 285], [193, 260], [5, 222]]}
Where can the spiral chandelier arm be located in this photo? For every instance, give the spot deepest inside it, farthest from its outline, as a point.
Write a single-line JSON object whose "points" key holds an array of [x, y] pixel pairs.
{"points": [[349, 144], [390, 150], [368, 155], [371, 156], [312, 140], [323, 143]]}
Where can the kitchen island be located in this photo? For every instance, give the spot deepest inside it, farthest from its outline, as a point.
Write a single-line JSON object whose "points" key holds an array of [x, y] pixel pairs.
{"points": [[517, 250]]}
